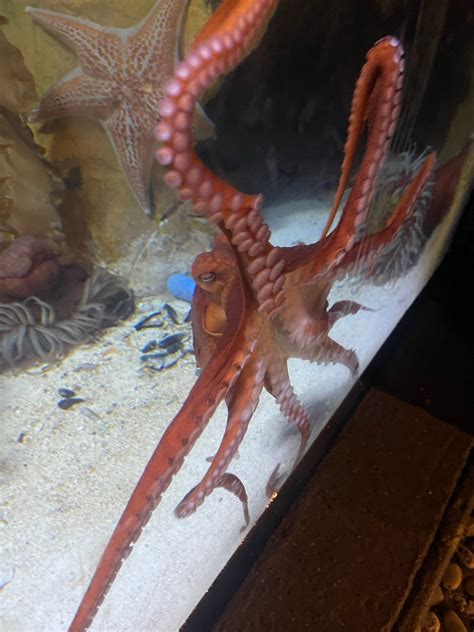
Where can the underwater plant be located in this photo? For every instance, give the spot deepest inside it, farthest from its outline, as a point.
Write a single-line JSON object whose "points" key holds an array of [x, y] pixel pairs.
{"points": [[36, 329], [257, 305]]}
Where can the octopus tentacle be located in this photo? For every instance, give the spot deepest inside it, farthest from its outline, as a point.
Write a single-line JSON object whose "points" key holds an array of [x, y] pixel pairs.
{"points": [[343, 308], [213, 384], [331, 352], [377, 94], [372, 245], [233, 484], [223, 43], [280, 387], [364, 104], [241, 401]]}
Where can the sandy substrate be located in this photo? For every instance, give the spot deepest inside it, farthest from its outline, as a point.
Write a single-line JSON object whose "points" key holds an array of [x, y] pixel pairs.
{"points": [[67, 474]]}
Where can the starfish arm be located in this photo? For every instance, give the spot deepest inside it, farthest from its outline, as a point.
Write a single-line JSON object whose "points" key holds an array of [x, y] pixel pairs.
{"points": [[241, 401], [97, 48], [77, 94], [131, 136], [278, 384], [153, 44]]}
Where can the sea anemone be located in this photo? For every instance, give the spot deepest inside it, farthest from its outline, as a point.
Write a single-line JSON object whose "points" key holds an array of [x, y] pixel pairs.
{"points": [[403, 252], [32, 330]]}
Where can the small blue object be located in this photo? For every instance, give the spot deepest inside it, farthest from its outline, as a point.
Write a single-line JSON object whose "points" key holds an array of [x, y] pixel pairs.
{"points": [[181, 286]]}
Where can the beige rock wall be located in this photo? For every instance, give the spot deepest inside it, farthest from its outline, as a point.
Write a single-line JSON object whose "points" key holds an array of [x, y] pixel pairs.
{"points": [[102, 218]]}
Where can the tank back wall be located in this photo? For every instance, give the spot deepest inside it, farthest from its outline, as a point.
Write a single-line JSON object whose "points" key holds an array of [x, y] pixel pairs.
{"points": [[281, 117]]}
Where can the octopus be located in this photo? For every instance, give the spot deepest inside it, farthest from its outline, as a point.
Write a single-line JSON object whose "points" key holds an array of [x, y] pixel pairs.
{"points": [[257, 305]]}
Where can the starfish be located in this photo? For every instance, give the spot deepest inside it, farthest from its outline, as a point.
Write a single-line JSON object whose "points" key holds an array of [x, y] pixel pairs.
{"points": [[119, 81]]}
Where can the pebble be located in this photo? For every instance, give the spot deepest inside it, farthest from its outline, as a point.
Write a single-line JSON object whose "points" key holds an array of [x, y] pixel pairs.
{"points": [[66, 392], [65, 404], [466, 556], [452, 622], [469, 586], [89, 413], [452, 576], [181, 286], [431, 624], [437, 596]]}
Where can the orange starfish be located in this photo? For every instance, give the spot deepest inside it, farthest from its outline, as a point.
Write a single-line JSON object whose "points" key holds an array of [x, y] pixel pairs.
{"points": [[119, 81]]}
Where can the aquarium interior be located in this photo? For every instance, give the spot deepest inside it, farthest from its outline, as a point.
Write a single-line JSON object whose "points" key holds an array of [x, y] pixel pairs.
{"points": [[77, 432]]}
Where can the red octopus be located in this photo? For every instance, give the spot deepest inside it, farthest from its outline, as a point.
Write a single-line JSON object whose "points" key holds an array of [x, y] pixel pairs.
{"points": [[256, 305]]}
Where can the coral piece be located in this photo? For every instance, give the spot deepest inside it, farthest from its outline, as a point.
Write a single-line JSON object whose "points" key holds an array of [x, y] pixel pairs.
{"points": [[256, 305], [45, 329], [29, 266], [119, 80]]}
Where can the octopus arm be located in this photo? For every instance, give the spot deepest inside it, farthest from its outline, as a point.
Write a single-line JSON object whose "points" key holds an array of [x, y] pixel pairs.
{"points": [[369, 248], [212, 386], [376, 97], [224, 42], [379, 84], [278, 384], [242, 401]]}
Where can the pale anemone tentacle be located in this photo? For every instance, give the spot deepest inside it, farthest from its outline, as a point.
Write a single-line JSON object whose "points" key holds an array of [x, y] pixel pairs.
{"points": [[30, 329]]}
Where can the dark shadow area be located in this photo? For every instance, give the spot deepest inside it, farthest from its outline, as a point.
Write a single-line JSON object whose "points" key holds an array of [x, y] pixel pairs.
{"points": [[281, 117], [429, 358]]}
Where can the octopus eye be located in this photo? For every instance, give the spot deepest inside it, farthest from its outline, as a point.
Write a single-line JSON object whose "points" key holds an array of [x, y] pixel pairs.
{"points": [[207, 277]]}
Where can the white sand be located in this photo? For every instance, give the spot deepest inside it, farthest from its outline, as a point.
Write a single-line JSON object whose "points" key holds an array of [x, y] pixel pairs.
{"points": [[66, 475]]}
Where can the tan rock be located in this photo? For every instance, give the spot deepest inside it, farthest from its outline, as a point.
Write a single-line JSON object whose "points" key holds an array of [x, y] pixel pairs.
{"points": [[105, 218], [469, 586], [452, 576], [466, 556], [18, 92], [452, 622], [437, 596], [30, 192], [431, 624]]}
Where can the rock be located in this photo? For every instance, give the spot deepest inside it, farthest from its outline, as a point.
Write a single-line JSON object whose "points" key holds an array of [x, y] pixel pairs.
{"points": [[466, 556], [437, 596], [469, 586], [452, 622], [452, 576], [431, 624]]}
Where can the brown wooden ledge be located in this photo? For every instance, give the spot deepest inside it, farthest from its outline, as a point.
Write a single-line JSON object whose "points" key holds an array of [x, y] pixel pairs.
{"points": [[347, 555]]}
